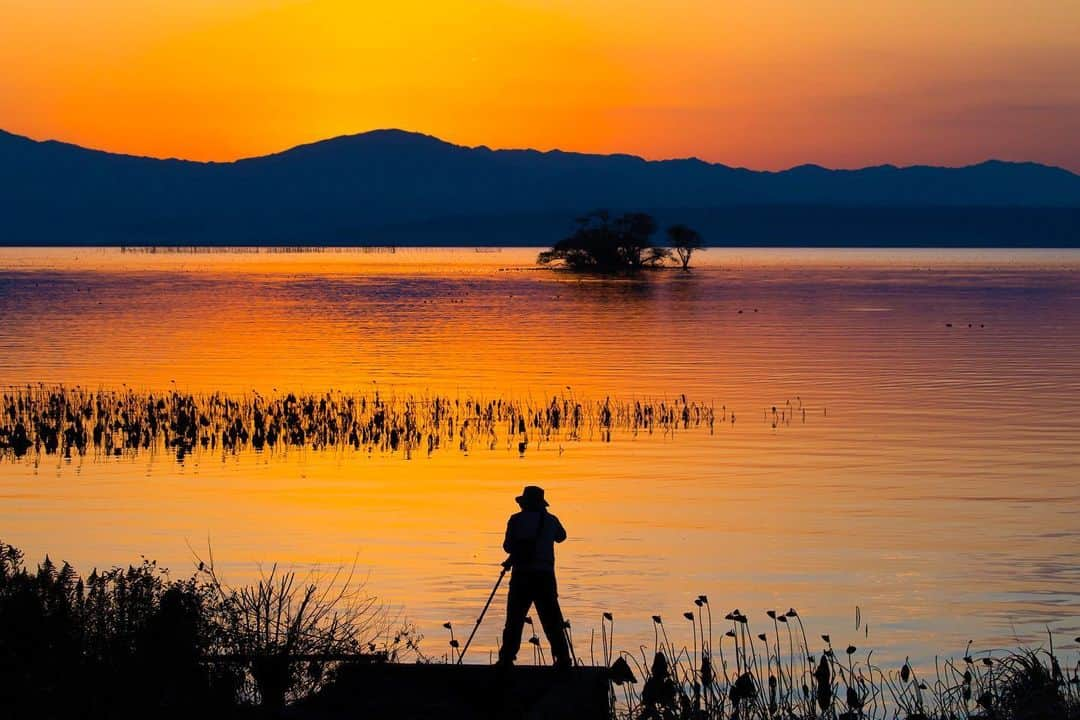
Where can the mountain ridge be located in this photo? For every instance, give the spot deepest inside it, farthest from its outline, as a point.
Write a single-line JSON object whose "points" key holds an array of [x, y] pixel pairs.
{"points": [[415, 135], [363, 188]]}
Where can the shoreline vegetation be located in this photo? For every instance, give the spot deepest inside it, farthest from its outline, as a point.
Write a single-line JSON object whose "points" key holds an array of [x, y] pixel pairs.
{"points": [[73, 421], [136, 642]]}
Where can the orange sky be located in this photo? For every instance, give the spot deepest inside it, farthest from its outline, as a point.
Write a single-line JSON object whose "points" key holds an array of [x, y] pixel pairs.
{"points": [[766, 84]]}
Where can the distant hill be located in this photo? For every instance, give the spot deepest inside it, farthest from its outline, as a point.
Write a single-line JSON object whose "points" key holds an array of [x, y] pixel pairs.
{"points": [[391, 186]]}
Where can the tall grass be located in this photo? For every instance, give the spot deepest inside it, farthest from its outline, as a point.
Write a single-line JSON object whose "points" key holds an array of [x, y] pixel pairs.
{"points": [[289, 632], [749, 675], [135, 642]]}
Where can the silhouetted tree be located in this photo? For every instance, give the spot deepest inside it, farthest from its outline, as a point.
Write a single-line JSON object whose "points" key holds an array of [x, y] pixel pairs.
{"points": [[684, 241], [603, 243]]}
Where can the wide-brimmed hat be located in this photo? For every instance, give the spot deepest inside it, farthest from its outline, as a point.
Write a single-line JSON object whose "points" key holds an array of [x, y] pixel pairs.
{"points": [[532, 495]]}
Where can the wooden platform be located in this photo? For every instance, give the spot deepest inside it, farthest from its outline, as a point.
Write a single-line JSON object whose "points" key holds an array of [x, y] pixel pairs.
{"points": [[453, 692]]}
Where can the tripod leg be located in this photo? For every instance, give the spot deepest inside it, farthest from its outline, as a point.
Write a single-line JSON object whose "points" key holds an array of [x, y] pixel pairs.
{"points": [[480, 619]]}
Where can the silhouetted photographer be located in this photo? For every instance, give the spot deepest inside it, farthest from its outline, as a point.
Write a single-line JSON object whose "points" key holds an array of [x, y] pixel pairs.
{"points": [[530, 540]]}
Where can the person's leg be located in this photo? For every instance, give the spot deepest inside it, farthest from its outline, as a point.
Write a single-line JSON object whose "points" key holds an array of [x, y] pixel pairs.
{"points": [[551, 617], [518, 600]]}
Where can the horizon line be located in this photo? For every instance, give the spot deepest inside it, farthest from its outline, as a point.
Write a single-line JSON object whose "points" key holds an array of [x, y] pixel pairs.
{"points": [[551, 151]]}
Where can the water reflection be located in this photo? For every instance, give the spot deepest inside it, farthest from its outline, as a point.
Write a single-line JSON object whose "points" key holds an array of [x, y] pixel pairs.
{"points": [[933, 484]]}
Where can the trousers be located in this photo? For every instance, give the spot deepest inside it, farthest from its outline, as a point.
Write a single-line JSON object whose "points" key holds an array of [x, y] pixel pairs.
{"points": [[529, 588]]}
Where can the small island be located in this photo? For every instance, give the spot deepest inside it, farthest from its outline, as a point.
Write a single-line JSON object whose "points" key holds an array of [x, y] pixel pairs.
{"points": [[612, 244]]}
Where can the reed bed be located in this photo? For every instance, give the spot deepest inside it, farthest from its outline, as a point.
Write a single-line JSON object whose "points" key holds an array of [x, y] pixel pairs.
{"points": [[751, 675], [257, 250], [70, 421]]}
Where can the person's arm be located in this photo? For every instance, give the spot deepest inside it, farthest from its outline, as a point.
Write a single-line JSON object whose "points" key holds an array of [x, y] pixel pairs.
{"points": [[560, 532], [508, 539]]}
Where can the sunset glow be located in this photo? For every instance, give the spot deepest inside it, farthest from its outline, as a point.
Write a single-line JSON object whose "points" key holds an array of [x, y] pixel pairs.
{"points": [[916, 437], [766, 85]]}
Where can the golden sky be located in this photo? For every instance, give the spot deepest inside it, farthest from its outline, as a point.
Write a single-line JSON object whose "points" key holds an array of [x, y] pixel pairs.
{"points": [[764, 84]]}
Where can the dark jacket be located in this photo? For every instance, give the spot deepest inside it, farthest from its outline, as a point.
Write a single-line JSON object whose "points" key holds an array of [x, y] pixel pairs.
{"points": [[522, 530]]}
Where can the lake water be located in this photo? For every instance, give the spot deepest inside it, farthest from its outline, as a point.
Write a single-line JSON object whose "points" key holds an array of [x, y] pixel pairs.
{"points": [[934, 482]]}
